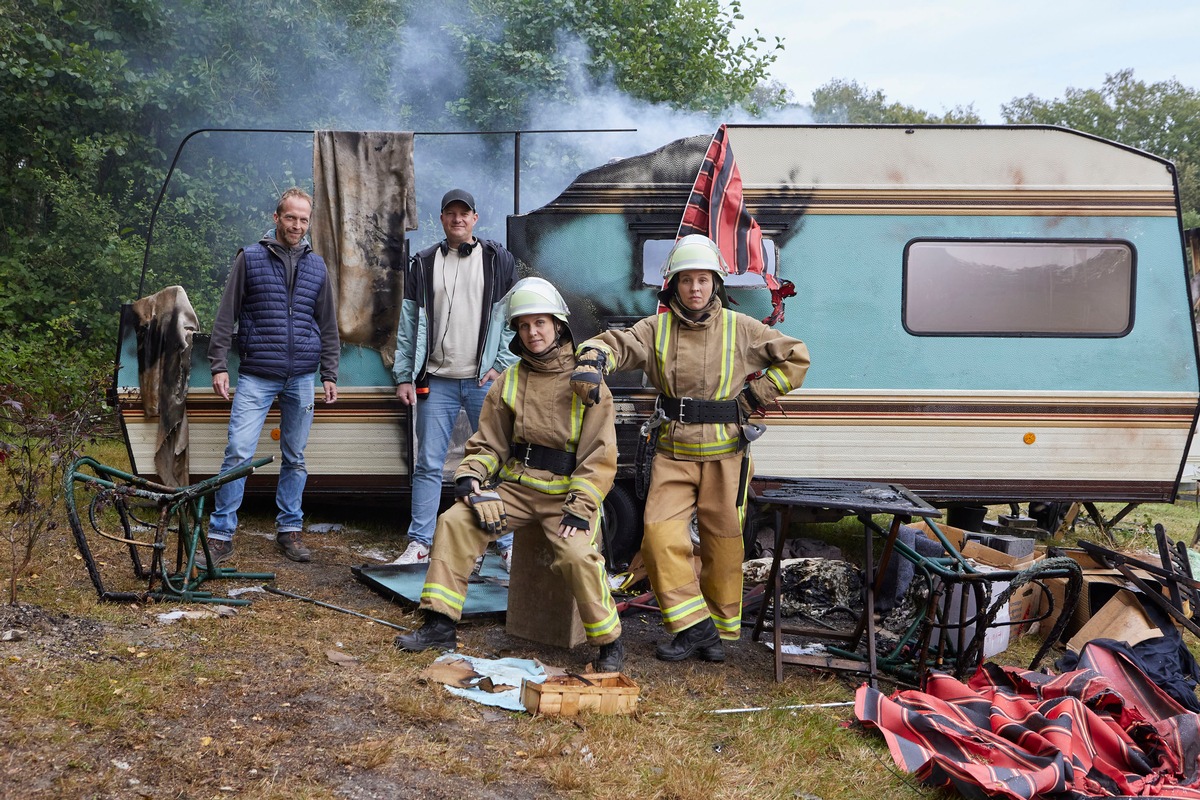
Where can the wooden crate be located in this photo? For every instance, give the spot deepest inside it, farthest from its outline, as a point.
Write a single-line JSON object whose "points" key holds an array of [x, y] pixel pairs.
{"points": [[568, 695]]}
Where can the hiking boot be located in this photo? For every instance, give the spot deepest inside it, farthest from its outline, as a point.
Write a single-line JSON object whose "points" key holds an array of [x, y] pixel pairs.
{"points": [[218, 549], [701, 640], [438, 631], [506, 558], [289, 542], [611, 657], [416, 553]]}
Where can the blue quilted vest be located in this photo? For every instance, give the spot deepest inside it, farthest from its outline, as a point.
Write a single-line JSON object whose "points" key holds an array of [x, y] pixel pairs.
{"points": [[278, 338]]}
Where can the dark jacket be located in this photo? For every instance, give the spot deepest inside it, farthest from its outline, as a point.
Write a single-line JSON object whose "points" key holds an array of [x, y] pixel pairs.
{"points": [[414, 336]]}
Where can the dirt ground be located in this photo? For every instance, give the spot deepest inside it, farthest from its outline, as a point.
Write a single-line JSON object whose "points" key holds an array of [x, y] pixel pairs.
{"points": [[282, 698]]}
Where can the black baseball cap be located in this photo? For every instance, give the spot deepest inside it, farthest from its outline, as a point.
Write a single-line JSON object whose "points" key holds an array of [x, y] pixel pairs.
{"points": [[458, 196]]}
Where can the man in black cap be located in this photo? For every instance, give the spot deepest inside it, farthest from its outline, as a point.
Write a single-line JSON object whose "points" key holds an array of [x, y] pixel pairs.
{"points": [[451, 344]]}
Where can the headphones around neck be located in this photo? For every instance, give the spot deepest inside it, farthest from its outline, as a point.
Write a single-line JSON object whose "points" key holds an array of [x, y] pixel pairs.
{"points": [[464, 249]]}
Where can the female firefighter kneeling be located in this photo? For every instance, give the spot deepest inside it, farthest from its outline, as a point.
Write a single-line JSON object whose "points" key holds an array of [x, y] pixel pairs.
{"points": [[555, 459]]}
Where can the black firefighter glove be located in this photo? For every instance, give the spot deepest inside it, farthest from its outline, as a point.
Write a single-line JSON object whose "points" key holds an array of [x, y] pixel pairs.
{"points": [[588, 375], [748, 404], [490, 510]]}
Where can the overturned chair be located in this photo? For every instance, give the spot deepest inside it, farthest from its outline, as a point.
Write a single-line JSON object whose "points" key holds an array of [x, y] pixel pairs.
{"points": [[115, 499], [963, 602]]}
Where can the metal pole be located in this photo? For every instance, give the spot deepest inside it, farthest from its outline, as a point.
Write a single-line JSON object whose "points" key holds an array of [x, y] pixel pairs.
{"points": [[282, 593], [516, 173]]}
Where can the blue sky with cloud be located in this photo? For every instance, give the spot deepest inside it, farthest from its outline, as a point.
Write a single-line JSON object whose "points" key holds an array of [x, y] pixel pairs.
{"points": [[938, 54]]}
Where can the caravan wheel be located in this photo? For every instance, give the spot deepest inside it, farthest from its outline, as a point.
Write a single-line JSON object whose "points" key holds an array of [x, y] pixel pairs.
{"points": [[621, 530]]}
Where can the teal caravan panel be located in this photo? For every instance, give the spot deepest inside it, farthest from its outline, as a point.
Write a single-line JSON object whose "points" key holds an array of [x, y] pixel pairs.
{"points": [[848, 272]]}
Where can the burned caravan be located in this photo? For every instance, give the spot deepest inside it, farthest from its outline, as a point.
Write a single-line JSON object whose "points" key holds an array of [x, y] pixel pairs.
{"points": [[994, 314]]}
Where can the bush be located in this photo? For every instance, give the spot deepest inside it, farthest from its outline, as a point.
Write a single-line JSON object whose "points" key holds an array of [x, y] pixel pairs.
{"points": [[51, 405]]}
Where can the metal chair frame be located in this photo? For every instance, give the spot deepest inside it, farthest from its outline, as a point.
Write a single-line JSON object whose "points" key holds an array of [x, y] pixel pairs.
{"points": [[180, 510]]}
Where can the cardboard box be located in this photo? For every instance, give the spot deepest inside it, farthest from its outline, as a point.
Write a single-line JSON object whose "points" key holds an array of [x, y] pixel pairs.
{"points": [[1121, 618], [956, 536], [994, 558], [1100, 585], [1022, 605], [1025, 600], [1023, 609], [1001, 633]]}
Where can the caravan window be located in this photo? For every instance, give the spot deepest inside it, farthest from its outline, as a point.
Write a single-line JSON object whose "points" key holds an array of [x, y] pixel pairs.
{"points": [[1018, 288], [655, 252]]}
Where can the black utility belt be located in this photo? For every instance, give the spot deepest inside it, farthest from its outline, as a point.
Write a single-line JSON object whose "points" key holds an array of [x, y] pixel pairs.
{"points": [[689, 410], [560, 462]]}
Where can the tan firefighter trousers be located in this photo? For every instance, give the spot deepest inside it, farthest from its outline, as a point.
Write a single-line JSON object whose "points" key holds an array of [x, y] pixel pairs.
{"points": [[458, 541], [711, 488]]}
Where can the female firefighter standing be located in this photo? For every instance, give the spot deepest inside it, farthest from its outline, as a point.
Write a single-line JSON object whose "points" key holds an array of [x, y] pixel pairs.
{"points": [[713, 367], [555, 460]]}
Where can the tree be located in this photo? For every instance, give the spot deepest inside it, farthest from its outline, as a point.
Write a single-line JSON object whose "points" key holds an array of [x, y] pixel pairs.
{"points": [[99, 94], [70, 104], [850, 102], [1161, 118], [680, 53]]}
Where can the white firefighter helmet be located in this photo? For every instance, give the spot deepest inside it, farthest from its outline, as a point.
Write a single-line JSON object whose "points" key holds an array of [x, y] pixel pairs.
{"points": [[695, 251], [535, 296]]}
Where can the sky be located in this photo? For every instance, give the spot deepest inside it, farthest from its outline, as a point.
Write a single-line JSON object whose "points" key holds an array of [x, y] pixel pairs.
{"points": [[938, 54]]}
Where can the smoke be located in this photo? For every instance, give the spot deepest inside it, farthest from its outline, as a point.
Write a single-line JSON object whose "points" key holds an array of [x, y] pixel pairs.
{"points": [[419, 66], [643, 126]]}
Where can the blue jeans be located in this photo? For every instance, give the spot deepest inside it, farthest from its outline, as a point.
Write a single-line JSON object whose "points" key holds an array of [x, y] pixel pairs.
{"points": [[436, 414], [251, 401]]}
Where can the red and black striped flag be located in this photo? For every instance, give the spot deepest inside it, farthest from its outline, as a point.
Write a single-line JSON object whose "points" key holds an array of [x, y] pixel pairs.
{"points": [[716, 208]]}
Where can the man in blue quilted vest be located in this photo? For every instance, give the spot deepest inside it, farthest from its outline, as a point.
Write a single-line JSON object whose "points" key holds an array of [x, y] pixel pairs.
{"points": [[278, 297]]}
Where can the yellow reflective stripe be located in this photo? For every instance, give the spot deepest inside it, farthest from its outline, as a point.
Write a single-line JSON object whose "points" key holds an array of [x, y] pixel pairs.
{"points": [[485, 460], [604, 626], [728, 340], [576, 423], [435, 591], [690, 606], [613, 619], [729, 624], [662, 340], [780, 380], [589, 488], [560, 485], [511, 381], [700, 449]]}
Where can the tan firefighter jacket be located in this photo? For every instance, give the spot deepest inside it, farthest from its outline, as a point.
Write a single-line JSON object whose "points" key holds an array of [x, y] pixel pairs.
{"points": [[532, 403], [708, 359]]}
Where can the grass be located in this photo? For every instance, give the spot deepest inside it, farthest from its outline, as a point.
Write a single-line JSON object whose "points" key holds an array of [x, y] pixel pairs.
{"points": [[103, 700]]}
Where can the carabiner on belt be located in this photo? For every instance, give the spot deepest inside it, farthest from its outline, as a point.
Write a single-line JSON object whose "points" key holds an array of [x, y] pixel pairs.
{"points": [[652, 423]]}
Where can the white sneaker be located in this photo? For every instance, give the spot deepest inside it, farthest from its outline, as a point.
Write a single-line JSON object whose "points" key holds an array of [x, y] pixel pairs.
{"points": [[506, 558], [416, 553]]}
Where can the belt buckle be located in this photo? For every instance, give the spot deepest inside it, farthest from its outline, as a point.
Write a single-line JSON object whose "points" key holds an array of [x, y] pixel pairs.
{"points": [[683, 415]]}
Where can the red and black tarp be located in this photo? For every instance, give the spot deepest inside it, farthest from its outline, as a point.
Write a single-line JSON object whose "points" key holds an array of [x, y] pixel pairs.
{"points": [[1102, 730]]}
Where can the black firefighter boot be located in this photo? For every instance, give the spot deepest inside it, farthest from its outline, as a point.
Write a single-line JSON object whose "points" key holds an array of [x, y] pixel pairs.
{"points": [[611, 657], [700, 640], [438, 631]]}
